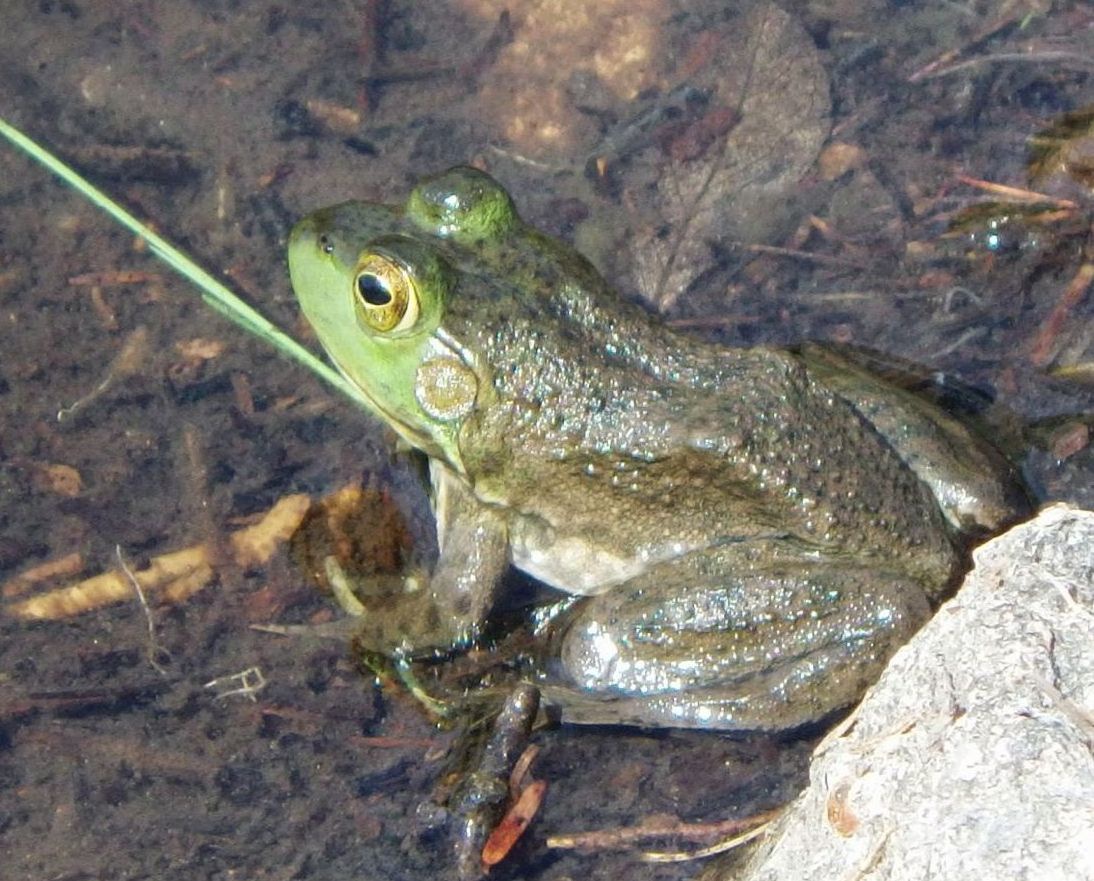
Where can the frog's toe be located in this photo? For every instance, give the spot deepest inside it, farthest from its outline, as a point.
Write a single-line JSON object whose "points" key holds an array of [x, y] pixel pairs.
{"points": [[341, 588]]}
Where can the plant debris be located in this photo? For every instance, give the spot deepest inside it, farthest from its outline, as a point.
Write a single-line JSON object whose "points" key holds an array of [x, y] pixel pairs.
{"points": [[171, 577]]}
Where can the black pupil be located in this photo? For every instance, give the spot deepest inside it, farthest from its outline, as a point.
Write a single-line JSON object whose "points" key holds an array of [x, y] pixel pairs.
{"points": [[372, 290]]}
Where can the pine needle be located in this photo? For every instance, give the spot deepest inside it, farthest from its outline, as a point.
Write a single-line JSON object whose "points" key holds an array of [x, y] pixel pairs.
{"points": [[213, 292]]}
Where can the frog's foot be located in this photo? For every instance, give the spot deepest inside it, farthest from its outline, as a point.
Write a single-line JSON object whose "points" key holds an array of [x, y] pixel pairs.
{"points": [[768, 650], [404, 669], [348, 590], [398, 616]]}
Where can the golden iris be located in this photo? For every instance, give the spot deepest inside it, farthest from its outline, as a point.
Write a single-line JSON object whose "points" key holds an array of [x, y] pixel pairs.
{"points": [[385, 295]]}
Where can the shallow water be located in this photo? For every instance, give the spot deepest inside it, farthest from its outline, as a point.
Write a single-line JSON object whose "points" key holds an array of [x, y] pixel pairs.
{"points": [[222, 123]]}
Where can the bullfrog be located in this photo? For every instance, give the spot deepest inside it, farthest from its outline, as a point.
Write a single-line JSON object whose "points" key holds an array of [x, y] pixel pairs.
{"points": [[747, 534]]}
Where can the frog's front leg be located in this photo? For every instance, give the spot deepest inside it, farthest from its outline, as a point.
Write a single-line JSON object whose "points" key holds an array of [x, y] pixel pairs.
{"points": [[446, 609], [740, 637]]}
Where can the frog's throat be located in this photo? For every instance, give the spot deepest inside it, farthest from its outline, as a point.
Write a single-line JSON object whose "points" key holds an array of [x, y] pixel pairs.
{"points": [[417, 438]]}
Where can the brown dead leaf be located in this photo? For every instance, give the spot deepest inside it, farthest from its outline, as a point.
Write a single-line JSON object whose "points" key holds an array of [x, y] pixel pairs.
{"points": [[22, 583], [837, 159], [508, 832], [1070, 439], [61, 480], [361, 527], [255, 544], [172, 576], [337, 118], [768, 76], [200, 349]]}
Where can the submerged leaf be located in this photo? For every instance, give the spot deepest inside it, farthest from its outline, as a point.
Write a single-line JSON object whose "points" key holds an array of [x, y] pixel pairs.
{"points": [[729, 172]]}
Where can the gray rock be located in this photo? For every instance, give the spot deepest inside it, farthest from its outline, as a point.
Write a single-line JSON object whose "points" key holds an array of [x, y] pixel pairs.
{"points": [[973, 756]]}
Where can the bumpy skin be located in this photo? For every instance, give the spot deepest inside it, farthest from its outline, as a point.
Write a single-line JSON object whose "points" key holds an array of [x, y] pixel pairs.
{"points": [[756, 530]]}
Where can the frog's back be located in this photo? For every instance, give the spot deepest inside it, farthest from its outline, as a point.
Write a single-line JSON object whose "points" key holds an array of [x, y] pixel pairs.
{"points": [[978, 489], [627, 426]]}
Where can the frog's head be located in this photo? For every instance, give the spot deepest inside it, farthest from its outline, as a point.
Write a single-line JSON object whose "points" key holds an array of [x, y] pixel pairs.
{"points": [[373, 281]]}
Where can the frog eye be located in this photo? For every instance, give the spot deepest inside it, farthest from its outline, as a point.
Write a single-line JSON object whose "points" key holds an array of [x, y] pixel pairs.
{"points": [[385, 294]]}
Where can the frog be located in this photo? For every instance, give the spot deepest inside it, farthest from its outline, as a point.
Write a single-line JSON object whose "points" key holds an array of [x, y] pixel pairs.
{"points": [[744, 535]]}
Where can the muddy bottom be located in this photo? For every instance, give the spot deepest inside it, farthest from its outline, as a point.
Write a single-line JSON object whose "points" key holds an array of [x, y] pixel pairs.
{"points": [[127, 748]]}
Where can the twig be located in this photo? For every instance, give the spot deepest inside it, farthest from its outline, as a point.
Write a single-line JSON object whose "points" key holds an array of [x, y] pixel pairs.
{"points": [[713, 850], [1017, 194], [251, 682], [966, 337], [341, 629], [154, 648], [114, 277], [797, 254], [518, 777], [125, 364], [1044, 342], [1077, 714], [1005, 19], [1044, 57], [627, 836]]}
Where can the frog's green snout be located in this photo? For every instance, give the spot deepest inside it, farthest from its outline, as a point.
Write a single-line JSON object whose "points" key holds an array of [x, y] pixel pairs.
{"points": [[306, 243], [302, 236]]}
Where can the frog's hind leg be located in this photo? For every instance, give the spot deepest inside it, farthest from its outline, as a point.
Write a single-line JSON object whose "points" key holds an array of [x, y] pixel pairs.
{"points": [[769, 650], [976, 487]]}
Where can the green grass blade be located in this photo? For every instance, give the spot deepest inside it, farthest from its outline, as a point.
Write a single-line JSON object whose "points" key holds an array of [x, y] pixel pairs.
{"points": [[212, 291]]}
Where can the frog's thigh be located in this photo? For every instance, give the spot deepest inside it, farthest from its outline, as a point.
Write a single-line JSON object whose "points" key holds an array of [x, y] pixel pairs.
{"points": [[687, 645]]}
